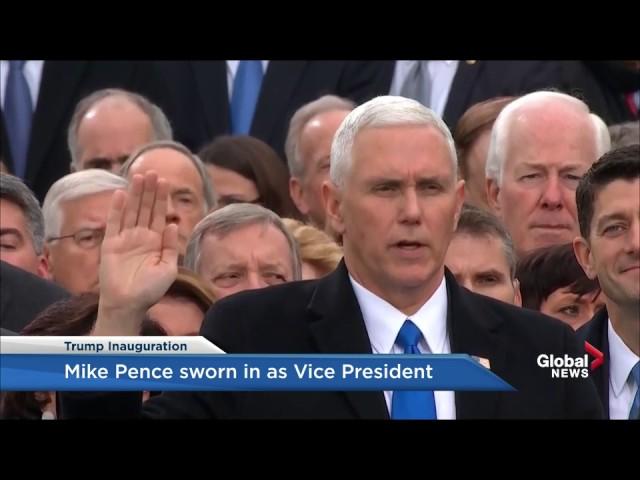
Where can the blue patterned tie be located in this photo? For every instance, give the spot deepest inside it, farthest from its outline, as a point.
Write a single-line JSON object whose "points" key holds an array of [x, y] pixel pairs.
{"points": [[18, 112], [246, 89], [407, 404], [634, 413]]}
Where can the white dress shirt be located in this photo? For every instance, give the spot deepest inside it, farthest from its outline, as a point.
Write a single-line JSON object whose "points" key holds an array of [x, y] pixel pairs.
{"points": [[622, 386], [383, 322], [232, 68], [33, 74], [441, 73]]}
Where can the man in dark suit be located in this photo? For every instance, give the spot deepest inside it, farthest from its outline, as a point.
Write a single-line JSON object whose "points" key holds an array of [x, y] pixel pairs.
{"points": [[473, 81], [62, 84], [395, 199], [608, 200], [200, 93], [23, 296]]}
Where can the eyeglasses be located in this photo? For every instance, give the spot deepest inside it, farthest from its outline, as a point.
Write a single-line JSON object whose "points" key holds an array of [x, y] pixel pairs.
{"points": [[86, 238]]}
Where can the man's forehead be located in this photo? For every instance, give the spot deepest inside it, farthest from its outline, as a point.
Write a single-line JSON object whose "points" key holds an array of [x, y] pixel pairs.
{"points": [[612, 199]]}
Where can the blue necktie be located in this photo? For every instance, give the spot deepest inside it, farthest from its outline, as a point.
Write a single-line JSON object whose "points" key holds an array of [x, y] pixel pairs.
{"points": [[18, 110], [407, 404], [246, 89], [634, 413]]}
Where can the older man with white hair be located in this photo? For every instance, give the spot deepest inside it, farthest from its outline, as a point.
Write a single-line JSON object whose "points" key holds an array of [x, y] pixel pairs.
{"points": [[243, 247], [308, 148], [75, 214], [541, 145]]}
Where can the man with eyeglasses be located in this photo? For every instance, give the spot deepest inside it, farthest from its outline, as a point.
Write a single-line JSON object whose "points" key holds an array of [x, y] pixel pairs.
{"points": [[75, 211]]}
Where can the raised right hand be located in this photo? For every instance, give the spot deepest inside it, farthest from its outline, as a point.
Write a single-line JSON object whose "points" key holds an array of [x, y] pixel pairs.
{"points": [[139, 257]]}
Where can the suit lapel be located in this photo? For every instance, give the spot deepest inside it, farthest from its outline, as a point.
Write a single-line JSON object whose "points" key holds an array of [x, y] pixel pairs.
{"points": [[211, 82], [57, 87], [461, 90], [474, 333], [338, 327], [279, 84], [598, 336]]}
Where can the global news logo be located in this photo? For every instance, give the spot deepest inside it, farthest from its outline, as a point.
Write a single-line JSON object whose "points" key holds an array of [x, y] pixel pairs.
{"points": [[572, 367]]}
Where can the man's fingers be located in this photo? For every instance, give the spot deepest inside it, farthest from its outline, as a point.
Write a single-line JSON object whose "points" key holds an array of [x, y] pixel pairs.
{"points": [[133, 202], [114, 217], [170, 244], [150, 187], [159, 211]]}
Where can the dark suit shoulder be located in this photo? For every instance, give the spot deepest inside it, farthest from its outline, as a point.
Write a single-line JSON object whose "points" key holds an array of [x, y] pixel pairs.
{"points": [[530, 328], [267, 320]]}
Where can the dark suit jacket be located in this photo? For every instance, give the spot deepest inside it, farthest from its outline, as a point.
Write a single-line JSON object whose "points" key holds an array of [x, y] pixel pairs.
{"points": [[323, 316], [595, 332], [23, 296], [476, 81], [200, 95], [63, 85]]}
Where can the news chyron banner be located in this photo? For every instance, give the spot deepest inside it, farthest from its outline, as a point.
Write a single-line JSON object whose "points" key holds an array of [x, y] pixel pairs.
{"points": [[194, 363]]}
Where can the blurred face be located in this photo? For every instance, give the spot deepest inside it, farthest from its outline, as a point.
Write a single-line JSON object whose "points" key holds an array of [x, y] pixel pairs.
{"points": [[612, 252], [549, 150], [315, 151], [111, 131], [254, 256], [572, 309], [186, 191], [73, 262], [479, 263], [179, 316], [16, 243], [231, 187], [474, 185], [397, 211]]}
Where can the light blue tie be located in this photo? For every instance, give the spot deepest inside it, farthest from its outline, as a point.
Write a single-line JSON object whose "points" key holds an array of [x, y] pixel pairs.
{"points": [[18, 112], [634, 413], [417, 84], [246, 89], [407, 404]]}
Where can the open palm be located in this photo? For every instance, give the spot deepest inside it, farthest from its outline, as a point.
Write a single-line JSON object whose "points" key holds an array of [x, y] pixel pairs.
{"points": [[139, 257]]}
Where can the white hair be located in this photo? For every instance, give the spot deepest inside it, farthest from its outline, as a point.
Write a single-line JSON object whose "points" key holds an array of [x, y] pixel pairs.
{"points": [[300, 119], [160, 126], [501, 128], [230, 218], [385, 111], [210, 202], [71, 187]]}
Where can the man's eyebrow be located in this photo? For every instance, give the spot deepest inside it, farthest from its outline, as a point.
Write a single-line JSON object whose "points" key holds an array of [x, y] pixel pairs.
{"points": [[10, 231]]}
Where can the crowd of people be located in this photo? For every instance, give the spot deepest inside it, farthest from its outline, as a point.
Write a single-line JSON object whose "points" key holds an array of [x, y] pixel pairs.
{"points": [[487, 208]]}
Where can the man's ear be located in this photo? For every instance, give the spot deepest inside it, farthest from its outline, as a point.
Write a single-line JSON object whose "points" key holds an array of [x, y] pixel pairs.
{"points": [[517, 298], [43, 267], [582, 251], [459, 203], [332, 198], [493, 192], [46, 263], [297, 195]]}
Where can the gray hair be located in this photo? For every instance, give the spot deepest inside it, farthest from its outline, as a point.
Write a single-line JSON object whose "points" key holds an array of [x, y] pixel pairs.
{"points": [[300, 119], [385, 111], [210, 202], [624, 134], [500, 133], [73, 186], [15, 191], [476, 222], [160, 126], [230, 218]]}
